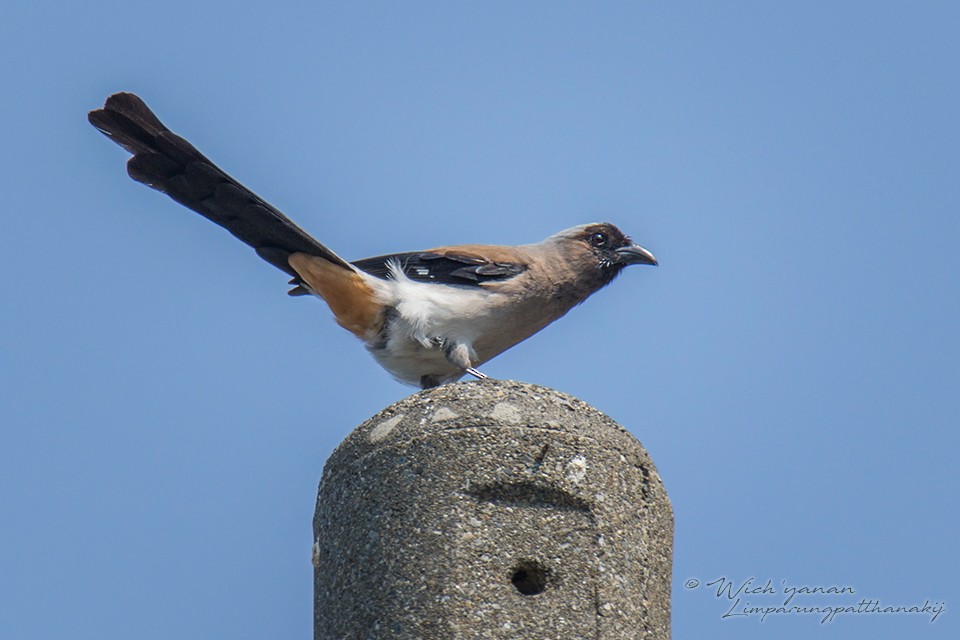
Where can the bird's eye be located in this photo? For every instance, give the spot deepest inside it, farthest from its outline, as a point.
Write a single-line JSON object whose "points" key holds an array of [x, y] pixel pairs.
{"points": [[598, 239]]}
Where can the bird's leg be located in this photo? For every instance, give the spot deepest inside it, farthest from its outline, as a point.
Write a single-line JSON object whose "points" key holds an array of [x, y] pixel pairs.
{"points": [[458, 354]]}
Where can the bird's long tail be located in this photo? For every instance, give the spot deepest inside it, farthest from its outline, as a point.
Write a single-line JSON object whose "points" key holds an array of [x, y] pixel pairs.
{"points": [[168, 163]]}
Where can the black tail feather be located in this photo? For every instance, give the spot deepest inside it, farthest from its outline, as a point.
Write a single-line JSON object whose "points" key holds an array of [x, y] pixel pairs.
{"points": [[168, 163]]}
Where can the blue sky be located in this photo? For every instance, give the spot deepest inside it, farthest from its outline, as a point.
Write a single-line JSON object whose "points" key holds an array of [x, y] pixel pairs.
{"points": [[792, 365]]}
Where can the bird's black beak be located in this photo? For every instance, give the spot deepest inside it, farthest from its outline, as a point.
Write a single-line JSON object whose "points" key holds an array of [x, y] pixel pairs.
{"points": [[635, 254]]}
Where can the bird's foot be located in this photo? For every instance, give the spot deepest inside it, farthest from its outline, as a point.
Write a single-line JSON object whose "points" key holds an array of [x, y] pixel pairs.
{"points": [[476, 374]]}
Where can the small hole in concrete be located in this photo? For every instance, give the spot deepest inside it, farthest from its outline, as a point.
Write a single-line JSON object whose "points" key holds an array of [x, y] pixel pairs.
{"points": [[530, 578]]}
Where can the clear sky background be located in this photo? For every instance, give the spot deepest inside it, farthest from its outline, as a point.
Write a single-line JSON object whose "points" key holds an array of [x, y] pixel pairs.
{"points": [[792, 365]]}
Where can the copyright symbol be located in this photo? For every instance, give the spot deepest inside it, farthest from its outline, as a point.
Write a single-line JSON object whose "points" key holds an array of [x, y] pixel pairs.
{"points": [[692, 583]]}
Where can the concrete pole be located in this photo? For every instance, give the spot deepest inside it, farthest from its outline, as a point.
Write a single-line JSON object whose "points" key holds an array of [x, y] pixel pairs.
{"points": [[491, 509]]}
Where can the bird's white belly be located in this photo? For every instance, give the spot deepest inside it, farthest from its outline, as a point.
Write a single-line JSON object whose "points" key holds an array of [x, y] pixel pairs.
{"points": [[409, 361], [425, 319]]}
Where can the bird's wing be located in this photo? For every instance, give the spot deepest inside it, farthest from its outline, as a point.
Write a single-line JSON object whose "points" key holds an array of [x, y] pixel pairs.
{"points": [[469, 266]]}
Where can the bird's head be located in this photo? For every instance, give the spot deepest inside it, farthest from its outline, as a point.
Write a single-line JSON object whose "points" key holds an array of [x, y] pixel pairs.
{"points": [[601, 251]]}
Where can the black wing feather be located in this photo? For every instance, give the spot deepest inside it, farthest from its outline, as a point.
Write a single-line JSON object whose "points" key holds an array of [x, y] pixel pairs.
{"points": [[442, 268]]}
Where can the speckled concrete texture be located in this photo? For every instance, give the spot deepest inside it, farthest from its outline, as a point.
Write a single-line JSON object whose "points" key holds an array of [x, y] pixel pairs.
{"points": [[491, 509]]}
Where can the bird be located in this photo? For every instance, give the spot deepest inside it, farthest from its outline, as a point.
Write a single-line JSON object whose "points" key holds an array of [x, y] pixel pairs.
{"points": [[428, 317]]}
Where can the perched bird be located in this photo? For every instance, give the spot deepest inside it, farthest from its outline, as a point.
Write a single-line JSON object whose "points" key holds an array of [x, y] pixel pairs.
{"points": [[428, 317]]}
